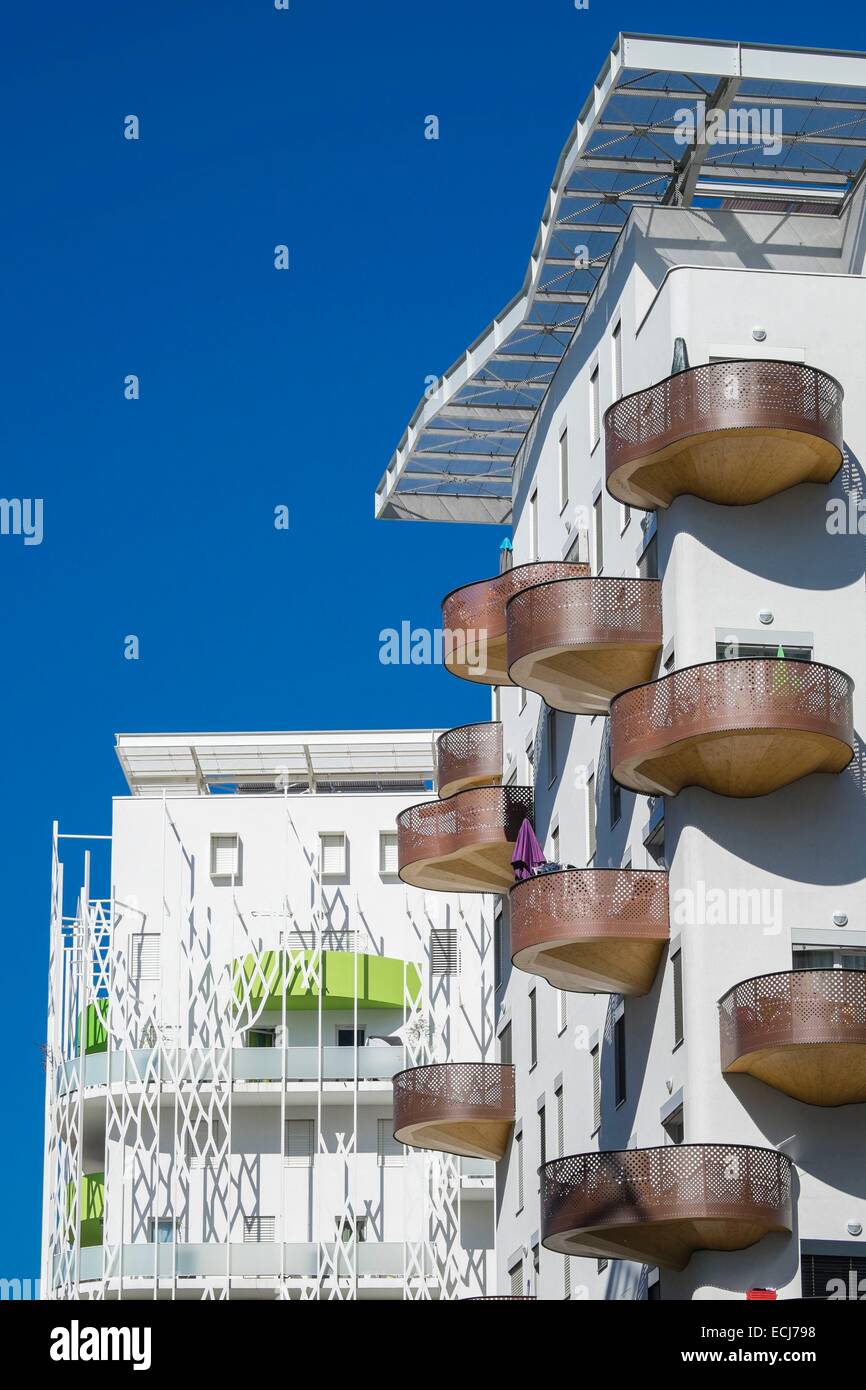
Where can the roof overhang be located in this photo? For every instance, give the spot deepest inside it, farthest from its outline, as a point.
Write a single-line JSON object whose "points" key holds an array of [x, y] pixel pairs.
{"points": [[643, 139]]}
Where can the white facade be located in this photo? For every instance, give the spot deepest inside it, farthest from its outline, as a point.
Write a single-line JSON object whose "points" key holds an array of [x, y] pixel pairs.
{"points": [[248, 982]]}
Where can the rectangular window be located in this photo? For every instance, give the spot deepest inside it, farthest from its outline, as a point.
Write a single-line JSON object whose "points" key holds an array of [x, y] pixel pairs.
{"points": [[732, 650], [444, 951], [826, 958], [554, 845], [616, 359], [615, 801], [515, 1280], [648, 564], [542, 1136], [561, 1011], [594, 422], [505, 1046], [533, 1029], [551, 747], [560, 1121], [162, 1230], [299, 1143], [144, 956], [351, 1037], [619, 1059], [598, 533], [563, 471], [498, 946], [347, 1228], [333, 854], [259, 1228], [260, 1037], [388, 853], [677, 972], [566, 1276], [836, 1276], [518, 1158], [389, 1150], [589, 796], [595, 1057], [674, 1126], [624, 517], [529, 754], [533, 526], [225, 857]]}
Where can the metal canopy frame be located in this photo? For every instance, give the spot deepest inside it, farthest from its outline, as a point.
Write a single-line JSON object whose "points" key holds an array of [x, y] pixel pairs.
{"points": [[455, 460]]}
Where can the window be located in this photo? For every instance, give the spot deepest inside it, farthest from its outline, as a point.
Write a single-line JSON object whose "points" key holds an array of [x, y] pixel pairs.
{"points": [[162, 1231], [333, 854], [515, 1279], [601, 1264], [834, 1276], [828, 958], [495, 704], [389, 1150], [594, 431], [533, 526], [619, 1058], [259, 1228], [561, 1011], [260, 1037], [589, 795], [444, 951], [560, 1121], [505, 1046], [566, 1276], [533, 1028], [615, 801], [529, 755], [674, 1126], [563, 471], [551, 747], [616, 359], [595, 1057], [388, 853], [518, 1159], [536, 1264], [542, 1136], [677, 972], [204, 1144], [498, 945], [648, 564], [144, 956], [351, 1037], [225, 858], [598, 533], [521, 700], [349, 1227], [624, 517], [732, 650], [554, 845], [299, 1143]]}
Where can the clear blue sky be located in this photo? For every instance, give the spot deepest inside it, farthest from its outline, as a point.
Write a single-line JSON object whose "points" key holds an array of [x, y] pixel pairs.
{"points": [[258, 388]]}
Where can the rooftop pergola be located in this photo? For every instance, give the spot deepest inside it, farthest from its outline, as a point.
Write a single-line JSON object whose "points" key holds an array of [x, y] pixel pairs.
{"points": [[208, 764], [455, 460]]}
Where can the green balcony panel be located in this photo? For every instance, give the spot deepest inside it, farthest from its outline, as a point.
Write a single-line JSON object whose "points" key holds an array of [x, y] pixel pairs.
{"points": [[92, 1208], [382, 981]]}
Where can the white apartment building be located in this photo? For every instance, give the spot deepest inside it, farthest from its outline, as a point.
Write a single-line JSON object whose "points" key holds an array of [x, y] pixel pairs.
{"points": [[235, 981], [671, 414]]}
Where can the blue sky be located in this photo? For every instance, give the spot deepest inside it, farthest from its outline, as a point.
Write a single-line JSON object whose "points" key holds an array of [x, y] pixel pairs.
{"points": [[258, 388]]}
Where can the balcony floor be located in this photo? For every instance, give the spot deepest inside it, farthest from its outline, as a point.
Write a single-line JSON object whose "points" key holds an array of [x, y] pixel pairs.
{"points": [[815, 1073], [742, 762]]}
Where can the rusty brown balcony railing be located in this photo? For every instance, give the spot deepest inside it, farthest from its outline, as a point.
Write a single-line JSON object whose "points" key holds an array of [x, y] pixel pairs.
{"points": [[660, 1205], [469, 756], [464, 1108], [591, 930], [474, 625], [740, 728], [732, 432], [463, 844], [801, 1031], [578, 642]]}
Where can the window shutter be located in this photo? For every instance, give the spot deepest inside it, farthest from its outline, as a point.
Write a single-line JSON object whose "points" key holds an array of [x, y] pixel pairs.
{"points": [[515, 1275], [390, 1150], [677, 968], [388, 852], [259, 1228], [299, 1143], [333, 849], [224, 859], [144, 956], [444, 951]]}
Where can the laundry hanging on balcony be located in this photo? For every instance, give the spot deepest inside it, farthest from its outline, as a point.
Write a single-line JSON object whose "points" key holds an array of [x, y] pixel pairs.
{"points": [[528, 854]]}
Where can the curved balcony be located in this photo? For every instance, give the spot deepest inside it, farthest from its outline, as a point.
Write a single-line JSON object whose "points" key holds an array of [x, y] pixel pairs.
{"points": [[464, 1108], [597, 931], [473, 619], [463, 844], [803, 1032], [739, 728], [660, 1205], [469, 756], [731, 432], [579, 642]]}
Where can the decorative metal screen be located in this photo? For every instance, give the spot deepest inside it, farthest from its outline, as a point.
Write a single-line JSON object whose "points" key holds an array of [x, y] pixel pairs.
{"points": [[582, 903], [453, 1091], [468, 752], [481, 606], [584, 612], [482, 815], [793, 1006]]}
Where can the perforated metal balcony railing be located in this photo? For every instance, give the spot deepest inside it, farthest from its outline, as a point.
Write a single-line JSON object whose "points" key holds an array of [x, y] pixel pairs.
{"points": [[578, 642], [463, 844], [660, 1205], [591, 930], [801, 1031], [462, 1108], [740, 728], [732, 432], [474, 624], [468, 756]]}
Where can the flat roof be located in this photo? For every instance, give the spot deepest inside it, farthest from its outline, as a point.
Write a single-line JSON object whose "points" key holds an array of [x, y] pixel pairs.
{"points": [[202, 764], [456, 457]]}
